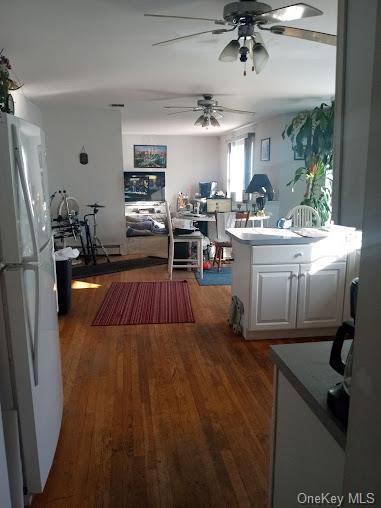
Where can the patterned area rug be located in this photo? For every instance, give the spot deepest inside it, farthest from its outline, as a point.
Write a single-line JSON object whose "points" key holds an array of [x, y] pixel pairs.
{"points": [[137, 303]]}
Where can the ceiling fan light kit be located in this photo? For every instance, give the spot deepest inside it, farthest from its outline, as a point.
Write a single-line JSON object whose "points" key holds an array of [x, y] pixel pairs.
{"points": [[205, 122], [249, 16], [214, 121], [199, 121], [260, 57], [230, 52]]}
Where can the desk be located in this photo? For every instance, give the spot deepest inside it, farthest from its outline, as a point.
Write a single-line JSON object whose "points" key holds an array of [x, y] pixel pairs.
{"points": [[212, 218], [203, 221]]}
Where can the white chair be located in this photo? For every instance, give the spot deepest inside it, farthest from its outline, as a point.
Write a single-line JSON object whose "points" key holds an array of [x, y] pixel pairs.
{"points": [[195, 237], [303, 216]]}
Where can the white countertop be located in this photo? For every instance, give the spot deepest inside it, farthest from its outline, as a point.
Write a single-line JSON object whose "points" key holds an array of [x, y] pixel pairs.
{"points": [[306, 366], [276, 236]]}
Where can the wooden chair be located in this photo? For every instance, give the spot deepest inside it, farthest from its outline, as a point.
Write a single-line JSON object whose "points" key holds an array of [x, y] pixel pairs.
{"points": [[303, 216], [190, 239], [225, 220], [242, 219]]}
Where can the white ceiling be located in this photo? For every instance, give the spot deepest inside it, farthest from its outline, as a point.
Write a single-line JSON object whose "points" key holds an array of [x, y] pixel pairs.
{"points": [[97, 52]]}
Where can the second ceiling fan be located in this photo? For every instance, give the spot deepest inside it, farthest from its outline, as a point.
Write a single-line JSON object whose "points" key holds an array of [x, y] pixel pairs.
{"points": [[210, 110], [248, 16]]}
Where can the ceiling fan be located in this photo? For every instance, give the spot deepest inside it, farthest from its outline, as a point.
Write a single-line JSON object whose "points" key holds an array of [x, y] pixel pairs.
{"points": [[210, 111], [248, 16]]}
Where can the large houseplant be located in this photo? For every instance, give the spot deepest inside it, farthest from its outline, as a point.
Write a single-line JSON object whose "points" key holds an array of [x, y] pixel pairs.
{"points": [[311, 135]]}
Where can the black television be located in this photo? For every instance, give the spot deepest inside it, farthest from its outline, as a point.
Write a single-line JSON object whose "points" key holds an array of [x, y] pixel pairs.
{"points": [[144, 186]]}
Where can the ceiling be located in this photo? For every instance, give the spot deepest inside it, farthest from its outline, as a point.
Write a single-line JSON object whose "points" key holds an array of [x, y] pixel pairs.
{"points": [[97, 52]]}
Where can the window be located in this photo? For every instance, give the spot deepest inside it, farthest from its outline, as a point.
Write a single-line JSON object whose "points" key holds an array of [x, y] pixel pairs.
{"points": [[236, 168], [240, 165]]}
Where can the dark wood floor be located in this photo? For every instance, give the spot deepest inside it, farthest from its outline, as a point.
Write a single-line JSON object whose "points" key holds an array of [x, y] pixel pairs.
{"points": [[161, 415]]}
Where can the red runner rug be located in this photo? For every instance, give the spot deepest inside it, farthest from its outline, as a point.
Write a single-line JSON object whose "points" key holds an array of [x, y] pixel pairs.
{"points": [[137, 303]]}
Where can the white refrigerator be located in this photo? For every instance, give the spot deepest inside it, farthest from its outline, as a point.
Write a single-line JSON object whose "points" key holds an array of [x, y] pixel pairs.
{"points": [[31, 393]]}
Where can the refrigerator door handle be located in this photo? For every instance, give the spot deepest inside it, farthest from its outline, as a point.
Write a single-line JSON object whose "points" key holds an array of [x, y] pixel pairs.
{"points": [[55, 276], [34, 329], [25, 190]]}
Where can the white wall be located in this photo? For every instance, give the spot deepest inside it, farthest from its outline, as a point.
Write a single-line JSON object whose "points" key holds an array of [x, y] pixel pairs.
{"points": [[191, 159], [26, 109], [101, 180], [363, 451], [281, 167], [354, 87]]}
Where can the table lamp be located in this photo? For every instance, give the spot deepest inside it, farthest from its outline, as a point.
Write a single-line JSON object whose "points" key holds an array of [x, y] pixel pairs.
{"points": [[260, 183]]}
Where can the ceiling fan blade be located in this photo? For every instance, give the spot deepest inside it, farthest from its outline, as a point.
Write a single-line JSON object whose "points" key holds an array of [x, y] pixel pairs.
{"points": [[215, 32], [178, 107], [240, 111], [307, 35], [289, 13], [184, 111], [216, 21]]}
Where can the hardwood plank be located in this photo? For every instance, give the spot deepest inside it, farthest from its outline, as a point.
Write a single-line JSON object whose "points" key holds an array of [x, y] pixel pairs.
{"points": [[161, 415]]}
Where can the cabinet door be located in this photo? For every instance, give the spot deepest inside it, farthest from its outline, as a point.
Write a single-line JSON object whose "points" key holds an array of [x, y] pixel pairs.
{"points": [[321, 295], [273, 297]]}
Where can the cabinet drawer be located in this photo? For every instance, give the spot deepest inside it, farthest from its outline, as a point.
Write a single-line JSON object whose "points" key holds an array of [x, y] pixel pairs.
{"points": [[274, 254], [324, 250]]}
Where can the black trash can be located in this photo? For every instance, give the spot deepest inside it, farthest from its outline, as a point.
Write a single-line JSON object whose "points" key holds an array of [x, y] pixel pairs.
{"points": [[64, 276]]}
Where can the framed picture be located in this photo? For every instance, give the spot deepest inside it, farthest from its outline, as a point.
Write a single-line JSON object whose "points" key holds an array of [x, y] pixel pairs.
{"points": [[298, 156], [150, 156], [265, 149]]}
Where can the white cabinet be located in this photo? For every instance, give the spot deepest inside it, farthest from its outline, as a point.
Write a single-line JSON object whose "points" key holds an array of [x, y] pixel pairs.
{"points": [[274, 296], [297, 296], [321, 295]]}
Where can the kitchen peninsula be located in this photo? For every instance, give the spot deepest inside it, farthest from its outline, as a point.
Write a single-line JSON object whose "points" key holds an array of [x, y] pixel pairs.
{"points": [[293, 283]]}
